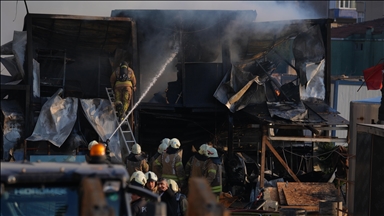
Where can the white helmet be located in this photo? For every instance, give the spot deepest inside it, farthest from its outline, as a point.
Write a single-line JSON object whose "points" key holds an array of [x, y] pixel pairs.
{"points": [[173, 185], [175, 143], [93, 142], [212, 152], [165, 141], [136, 149], [162, 147], [203, 149], [151, 176], [138, 177]]}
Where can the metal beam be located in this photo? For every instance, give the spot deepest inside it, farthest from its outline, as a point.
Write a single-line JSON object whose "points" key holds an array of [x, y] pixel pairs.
{"points": [[309, 139]]}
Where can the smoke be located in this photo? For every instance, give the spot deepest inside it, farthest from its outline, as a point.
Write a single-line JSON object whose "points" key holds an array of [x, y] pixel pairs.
{"points": [[290, 10], [157, 31]]}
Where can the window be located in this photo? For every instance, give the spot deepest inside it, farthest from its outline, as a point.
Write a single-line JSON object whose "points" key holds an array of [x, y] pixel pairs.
{"points": [[360, 17], [347, 4], [41, 200]]}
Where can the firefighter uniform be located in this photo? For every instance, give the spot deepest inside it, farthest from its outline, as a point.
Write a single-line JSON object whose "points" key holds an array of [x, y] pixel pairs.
{"points": [[213, 171], [136, 161], [171, 163], [123, 86], [154, 164], [196, 164]]}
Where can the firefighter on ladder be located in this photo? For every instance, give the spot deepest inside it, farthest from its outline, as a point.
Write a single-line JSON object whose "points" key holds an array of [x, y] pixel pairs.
{"points": [[123, 83]]}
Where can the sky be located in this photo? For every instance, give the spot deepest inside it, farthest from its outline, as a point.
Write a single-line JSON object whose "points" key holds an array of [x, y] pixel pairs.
{"points": [[13, 12]]}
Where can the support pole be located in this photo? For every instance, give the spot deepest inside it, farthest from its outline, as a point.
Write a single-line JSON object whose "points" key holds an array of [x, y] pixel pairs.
{"points": [[273, 150], [262, 162]]}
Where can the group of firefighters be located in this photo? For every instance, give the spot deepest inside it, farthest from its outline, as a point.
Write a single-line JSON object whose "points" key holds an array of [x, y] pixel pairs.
{"points": [[166, 175]]}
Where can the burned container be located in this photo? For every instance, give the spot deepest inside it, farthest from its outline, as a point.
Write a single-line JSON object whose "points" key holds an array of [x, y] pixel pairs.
{"points": [[73, 55]]}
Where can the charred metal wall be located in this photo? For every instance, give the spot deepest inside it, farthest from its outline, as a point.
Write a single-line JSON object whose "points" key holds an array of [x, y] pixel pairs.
{"points": [[201, 81], [369, 186]]}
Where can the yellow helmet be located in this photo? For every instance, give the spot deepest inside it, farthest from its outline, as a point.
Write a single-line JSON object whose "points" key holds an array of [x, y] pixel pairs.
{"points": [[138, 177], [173, 185], [203, 149], [136, 149], [175, 143], [162, 147], [212, 152], [151, 176], [93, 142]]}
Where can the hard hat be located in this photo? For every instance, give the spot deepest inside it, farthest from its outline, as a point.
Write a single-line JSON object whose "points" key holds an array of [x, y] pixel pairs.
{"points": [[173, 185], [166, 141], [212, 152], [97, 150], [203, 149], [162, 147], [136, 149], [175, 143], [151, 176], [138, 177], [93, 142]]}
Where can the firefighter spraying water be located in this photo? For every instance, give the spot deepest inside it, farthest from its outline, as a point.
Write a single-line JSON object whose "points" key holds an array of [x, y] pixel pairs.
{"points": [[161, 71]]}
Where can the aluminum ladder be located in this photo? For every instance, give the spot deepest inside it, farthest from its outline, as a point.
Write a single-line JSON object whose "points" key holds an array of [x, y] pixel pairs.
{"points": [[126, 136]]}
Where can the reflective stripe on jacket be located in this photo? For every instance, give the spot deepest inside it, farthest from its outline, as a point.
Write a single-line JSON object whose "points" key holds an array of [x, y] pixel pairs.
{"points": [[172, 167], [213, 175]]}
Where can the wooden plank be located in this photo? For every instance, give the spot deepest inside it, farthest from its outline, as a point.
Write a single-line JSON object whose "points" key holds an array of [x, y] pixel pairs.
{"points": [[273, 150], [271, 193], [282, 200], [308, 193], [262, 168], [307, 208]]}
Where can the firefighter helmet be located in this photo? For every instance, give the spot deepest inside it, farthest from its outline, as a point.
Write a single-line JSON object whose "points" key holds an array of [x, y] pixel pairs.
{"points": [[138, 177], [151, 176], [136, 149], [165, 141], [93, 142], [212, 152], [175, 143], [162, 147], [203, 149], [173, 185]]}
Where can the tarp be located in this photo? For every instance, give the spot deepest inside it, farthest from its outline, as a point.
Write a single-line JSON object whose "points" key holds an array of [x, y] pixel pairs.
{"points": [[56, 120], [13, 126], [373, 77], [308, 47], [233, 82], [102, 117], [58, 117]]}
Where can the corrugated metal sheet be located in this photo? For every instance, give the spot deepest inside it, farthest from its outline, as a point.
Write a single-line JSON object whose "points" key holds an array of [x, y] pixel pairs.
{"points": [[343, 92], [368, 185]]}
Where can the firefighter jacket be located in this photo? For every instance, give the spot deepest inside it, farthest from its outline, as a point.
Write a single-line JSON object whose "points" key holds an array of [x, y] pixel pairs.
{"points": [[196, 165], [213, 174], [139, 207], [136, 162], [131, 82], [152, 160], [172, 166]]}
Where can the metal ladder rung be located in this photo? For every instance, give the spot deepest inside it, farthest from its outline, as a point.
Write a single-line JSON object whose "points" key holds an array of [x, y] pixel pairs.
{"points": [[111, 97]]}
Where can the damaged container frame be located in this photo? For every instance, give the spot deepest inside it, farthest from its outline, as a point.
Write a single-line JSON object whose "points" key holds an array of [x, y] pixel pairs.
{"points": [[76, 54]]}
